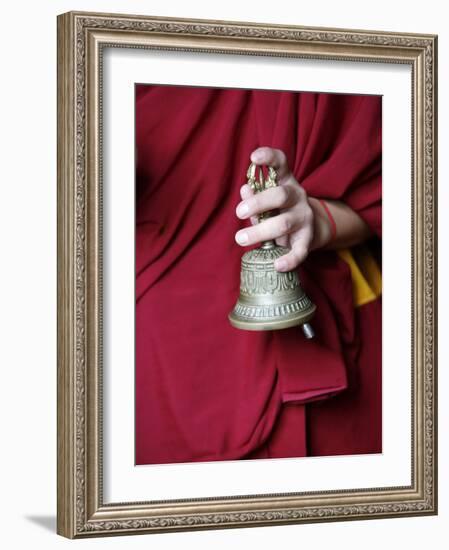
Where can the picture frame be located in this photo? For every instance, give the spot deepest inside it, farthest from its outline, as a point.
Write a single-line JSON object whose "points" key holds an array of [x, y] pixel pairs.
{"points": [[82, 40]]}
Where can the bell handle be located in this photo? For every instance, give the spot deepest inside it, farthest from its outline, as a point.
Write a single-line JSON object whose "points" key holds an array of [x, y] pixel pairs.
{"points": [[268, 245], [262, 184]]}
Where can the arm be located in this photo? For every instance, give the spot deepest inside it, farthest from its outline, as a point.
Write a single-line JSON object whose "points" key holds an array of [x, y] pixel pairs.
{"points": [[302, 224], [349, 230]]}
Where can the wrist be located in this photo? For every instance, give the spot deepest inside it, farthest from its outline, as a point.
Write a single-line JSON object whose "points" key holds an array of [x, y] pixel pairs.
{"points": [[324, 228]]}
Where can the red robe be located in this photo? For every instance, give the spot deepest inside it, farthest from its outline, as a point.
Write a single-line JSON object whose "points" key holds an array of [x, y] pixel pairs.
{"points": [[205, 390]]}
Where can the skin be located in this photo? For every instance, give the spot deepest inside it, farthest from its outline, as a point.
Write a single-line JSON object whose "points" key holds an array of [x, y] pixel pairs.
{"points": [[302, 224]]}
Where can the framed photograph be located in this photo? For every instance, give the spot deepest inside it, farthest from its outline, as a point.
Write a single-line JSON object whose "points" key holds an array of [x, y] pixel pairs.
{"points": [[246, 274]]}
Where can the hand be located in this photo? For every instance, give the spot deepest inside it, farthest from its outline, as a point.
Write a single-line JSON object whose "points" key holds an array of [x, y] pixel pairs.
{"points": [[293, 227]]}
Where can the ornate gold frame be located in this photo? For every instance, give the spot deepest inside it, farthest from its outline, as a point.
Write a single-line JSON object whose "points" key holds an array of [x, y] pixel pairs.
{"points": [[81, 37]]}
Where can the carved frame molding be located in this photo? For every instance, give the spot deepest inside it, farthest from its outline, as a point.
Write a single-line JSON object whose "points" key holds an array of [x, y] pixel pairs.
{"points": [[81, 39]]}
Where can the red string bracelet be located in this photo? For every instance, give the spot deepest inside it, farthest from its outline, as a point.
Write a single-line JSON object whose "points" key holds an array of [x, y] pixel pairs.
{"points": [[331, 219]]}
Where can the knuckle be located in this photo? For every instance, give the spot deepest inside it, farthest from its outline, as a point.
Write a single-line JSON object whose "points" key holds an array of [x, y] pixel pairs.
{"points": [[282, 157], [283, 195], [300, 253], [285, 224], [301, 192], [255, 204]]}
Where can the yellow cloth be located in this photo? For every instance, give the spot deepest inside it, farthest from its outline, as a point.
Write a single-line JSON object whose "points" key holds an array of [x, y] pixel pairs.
{"points": [[366, 275]]}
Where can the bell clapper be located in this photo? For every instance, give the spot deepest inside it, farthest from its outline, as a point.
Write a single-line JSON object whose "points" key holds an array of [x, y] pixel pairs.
{"points": [[308, 331]]}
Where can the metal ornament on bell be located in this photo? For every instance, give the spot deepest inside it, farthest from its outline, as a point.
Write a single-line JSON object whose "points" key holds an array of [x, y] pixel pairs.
{"points": [[269, 299]]}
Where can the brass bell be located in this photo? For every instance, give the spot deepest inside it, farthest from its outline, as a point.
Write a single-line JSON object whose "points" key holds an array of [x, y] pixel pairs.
{"points": [[269, 300]]}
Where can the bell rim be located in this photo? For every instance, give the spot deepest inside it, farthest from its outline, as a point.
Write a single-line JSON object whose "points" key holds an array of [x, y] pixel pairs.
{"points": [[261, 325]]}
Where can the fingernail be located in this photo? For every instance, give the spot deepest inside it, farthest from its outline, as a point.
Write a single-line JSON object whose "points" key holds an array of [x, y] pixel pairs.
{"points": [[280, 264], [242, 210], [241, 237]]}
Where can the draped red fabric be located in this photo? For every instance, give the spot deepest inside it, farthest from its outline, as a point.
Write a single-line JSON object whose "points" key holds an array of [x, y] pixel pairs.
{"points": [[204, 390]]}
